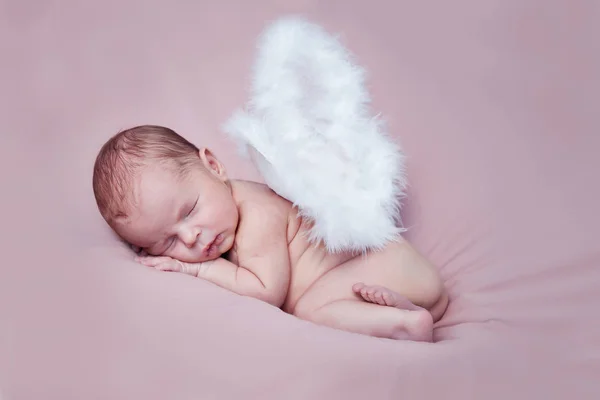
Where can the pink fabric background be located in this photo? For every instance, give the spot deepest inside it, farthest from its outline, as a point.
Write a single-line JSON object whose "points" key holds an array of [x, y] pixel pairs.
{"points": [[496, 105]]}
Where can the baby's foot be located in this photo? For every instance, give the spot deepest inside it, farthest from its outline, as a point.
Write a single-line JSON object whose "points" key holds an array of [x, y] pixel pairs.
{"points": [[417, 323], [417, 326], [384, 297]]}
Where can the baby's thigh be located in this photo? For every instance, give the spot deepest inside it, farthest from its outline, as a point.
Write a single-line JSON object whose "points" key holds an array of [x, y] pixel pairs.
{"points": [[398, 267], [401, 268], [334, 286]]}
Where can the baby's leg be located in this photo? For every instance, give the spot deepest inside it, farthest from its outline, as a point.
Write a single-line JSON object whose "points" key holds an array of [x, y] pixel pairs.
{"points": [[393, 321]]}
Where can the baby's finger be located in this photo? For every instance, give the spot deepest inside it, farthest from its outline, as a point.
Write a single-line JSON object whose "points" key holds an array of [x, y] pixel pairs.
{"points": [[171, 265], [167, 266], [152, 261]]}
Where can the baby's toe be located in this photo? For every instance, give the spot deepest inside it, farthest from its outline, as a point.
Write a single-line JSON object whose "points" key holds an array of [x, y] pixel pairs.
{"points": [[379, 298], [358, 287], [365, 294], [387, 298], [373, 295]]}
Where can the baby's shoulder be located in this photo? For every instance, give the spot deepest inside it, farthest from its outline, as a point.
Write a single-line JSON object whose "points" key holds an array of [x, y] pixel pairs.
{"points": [[264, 218], [260, 200]]}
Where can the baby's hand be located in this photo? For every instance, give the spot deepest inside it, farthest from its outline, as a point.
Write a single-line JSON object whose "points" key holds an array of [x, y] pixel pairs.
{"points": [[168, 264]]}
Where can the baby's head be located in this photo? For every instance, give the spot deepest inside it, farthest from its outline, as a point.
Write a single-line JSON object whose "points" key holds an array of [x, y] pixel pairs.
{"points": [[161, 193]]}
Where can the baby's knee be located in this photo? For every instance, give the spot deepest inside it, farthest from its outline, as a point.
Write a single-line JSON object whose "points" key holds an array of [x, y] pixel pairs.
{"points": [[303, 308], [310, 308]]}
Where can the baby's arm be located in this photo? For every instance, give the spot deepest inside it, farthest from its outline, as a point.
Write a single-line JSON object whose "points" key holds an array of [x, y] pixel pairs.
{"points": [[263, 263], [265, 278], [264, 270]]}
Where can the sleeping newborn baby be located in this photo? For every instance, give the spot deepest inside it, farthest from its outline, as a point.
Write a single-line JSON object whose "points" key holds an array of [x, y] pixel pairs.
{"points": [[175, 202]]}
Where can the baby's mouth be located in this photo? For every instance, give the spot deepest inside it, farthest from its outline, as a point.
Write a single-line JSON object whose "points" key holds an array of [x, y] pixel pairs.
{"points": [[208, 248]]}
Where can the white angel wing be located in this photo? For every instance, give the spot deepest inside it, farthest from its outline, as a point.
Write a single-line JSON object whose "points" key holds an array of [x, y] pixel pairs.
{"points": [[315, 142]]}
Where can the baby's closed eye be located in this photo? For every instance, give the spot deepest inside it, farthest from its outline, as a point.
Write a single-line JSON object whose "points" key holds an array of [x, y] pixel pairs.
{"points": [[193, 208]]}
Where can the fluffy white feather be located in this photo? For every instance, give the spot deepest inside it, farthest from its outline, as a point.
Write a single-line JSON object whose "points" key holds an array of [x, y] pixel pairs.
{"points": [[312, 136]]}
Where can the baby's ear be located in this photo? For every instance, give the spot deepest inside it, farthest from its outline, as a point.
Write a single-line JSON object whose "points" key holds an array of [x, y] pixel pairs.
{"points": [[212, 164]]}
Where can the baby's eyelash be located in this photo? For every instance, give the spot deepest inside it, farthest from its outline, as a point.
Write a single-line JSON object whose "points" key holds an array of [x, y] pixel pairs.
{"points": [[194, 207]]}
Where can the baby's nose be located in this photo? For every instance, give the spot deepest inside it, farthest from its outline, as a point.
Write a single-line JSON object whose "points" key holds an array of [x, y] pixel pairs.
{"points": [[191, 239]]}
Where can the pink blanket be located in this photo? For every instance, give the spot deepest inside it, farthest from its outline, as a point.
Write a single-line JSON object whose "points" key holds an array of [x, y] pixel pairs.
{"points": [[496, 105]]}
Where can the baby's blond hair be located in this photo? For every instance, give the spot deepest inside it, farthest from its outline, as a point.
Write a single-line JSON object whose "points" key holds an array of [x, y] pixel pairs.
{"points": [[123, 156]]}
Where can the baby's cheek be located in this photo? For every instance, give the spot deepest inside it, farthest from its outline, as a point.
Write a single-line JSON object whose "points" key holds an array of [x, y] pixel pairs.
{"points": [[177, 252], [173, 252], [185, 254]]}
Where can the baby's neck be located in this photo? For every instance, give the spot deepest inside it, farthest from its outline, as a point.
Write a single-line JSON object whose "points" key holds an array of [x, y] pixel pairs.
{"points": [[242, 190], [235, 186]]}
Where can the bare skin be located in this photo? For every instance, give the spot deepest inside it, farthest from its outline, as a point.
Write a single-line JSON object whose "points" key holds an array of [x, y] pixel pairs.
{"points": [[245, 238]]}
